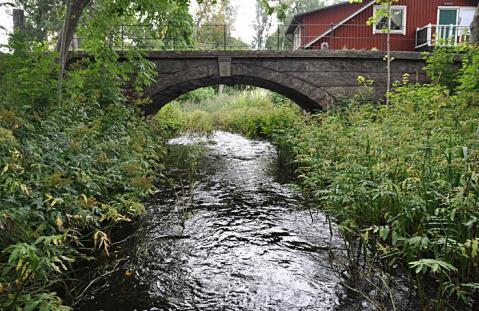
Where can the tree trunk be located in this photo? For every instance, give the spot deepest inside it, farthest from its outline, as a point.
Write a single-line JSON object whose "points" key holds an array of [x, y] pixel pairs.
{"points": [[18, 19], [475, 28], [63, 52], [73, 13], [71, 20], [221, 89]]}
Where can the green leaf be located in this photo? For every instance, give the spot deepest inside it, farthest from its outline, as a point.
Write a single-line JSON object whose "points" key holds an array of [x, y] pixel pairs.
{"points": [[433, 264]]}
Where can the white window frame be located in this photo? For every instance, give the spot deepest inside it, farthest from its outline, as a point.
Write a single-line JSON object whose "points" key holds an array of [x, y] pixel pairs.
{"points": [[404, 21], [444, 7], [458, 8]]}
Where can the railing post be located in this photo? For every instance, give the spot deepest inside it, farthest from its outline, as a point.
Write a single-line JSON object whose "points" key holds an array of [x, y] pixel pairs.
{"points": [[18, 19], [452, 35], [429, 34], [278, 36], [224, 37], [439, 33]]}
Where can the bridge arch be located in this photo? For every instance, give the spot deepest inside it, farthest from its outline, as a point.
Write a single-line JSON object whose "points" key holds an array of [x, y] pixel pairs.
{"points": [[312, 79], [308, 96]]}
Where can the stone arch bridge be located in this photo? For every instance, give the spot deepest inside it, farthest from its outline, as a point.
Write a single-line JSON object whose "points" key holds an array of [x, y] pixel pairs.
{"points": [[312, 79]]}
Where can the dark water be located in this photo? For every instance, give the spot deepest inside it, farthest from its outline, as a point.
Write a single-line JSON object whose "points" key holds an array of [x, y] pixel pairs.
{"points": [[235, 239]]}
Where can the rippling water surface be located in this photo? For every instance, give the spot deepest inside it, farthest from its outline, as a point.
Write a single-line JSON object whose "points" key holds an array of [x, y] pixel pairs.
{"points": [[235, 239]]}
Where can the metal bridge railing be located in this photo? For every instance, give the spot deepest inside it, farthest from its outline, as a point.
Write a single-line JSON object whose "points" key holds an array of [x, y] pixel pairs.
{"points": [[206, 37], [220, 37]]}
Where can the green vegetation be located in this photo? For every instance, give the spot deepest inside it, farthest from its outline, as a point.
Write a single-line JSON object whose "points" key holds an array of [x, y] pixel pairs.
{"points": [[76, 157], [250, 113], [69, 174], [401, 180]]}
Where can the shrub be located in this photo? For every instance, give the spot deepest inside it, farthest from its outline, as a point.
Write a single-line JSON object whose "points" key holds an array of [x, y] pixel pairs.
{"points": [[442, 67], [68, 174], [469, 77], [198, 96], [171, 120], [250, 113]]}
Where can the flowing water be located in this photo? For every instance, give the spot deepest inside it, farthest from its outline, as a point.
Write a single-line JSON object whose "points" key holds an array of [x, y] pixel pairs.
{"points": [[225, 234]]}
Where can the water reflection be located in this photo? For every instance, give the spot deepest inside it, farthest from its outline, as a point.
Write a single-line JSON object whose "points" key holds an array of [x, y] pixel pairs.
{"points": [[234, 240]]}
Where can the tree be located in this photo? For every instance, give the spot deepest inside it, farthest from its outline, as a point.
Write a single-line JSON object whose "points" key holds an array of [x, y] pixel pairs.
{"points": [[278, 40], [302, 6], [286, 9], [73, 12], [43, 16], [207, 9], [46, 18], [262, 26], [213, 24]]}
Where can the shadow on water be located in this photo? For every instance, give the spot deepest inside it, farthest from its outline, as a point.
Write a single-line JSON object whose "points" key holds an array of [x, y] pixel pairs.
{"points": [[231, 238]]}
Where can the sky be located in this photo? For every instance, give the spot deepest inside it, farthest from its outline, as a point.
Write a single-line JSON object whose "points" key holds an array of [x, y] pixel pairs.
{"points": [[5, 21], [245, 18]]}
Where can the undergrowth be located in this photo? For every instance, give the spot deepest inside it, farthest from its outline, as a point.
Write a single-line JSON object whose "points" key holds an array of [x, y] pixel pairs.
{"points": [[402, 180], [250, 113], [69, 173]]}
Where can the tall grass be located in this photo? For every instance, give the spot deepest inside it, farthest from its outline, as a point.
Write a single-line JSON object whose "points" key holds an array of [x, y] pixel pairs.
{"points": [[251, 113], [402, 181]]}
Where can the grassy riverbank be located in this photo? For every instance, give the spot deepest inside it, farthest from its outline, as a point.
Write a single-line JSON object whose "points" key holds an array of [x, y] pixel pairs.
{"points": [[401, 180]]}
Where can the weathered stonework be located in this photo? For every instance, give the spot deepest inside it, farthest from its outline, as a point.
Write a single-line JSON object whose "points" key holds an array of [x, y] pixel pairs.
{"points": [[311, 78]]}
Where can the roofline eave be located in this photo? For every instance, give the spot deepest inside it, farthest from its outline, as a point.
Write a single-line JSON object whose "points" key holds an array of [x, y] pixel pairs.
{"points": [[313, 41]]}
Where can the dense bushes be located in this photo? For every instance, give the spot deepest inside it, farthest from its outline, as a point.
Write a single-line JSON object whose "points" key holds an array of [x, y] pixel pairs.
{"points": [[68, 173]]}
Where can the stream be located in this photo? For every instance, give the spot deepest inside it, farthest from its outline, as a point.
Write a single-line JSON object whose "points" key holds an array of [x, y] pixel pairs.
{"points": [[225, 234]]}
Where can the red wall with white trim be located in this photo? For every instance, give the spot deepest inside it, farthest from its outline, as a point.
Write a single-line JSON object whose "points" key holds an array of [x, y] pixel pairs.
{"points": [[356, 34]]}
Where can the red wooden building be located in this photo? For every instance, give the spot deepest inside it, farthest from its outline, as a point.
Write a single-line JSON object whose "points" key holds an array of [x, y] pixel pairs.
{"points": [[415, 25]]}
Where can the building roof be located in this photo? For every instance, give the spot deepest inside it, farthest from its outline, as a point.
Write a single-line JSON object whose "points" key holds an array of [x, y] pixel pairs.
{"points": [[296, 19], [342, 22]]}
